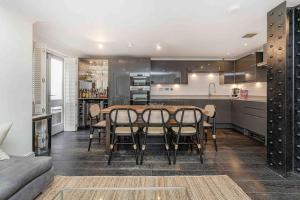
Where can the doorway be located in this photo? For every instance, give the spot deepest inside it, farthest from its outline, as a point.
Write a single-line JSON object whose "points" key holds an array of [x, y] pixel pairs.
{"points": [[55, 92]]}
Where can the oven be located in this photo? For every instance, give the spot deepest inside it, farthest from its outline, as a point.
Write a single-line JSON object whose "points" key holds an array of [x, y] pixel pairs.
{"points": [[139, 79], [139, 88]]}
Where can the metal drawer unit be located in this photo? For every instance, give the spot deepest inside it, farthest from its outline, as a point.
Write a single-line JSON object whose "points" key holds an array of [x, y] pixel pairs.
{"points": [[280, 90], [296, 16]]}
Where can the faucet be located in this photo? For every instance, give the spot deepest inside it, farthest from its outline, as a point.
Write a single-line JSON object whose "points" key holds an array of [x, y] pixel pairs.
{"points": [[209, 88]]}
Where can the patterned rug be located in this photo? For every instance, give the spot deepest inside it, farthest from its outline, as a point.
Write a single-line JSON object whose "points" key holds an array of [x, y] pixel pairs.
{"points": [[143, 187]]}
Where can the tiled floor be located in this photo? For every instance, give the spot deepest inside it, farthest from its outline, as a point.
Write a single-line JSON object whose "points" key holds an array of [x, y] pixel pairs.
{"points": [[239, 157]]}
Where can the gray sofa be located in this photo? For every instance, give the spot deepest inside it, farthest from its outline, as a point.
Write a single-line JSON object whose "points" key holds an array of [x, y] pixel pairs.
{"points": [[25, 178]]}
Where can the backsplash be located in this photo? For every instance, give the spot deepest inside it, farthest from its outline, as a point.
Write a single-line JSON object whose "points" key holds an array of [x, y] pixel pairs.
{"points": [[198, 85]]}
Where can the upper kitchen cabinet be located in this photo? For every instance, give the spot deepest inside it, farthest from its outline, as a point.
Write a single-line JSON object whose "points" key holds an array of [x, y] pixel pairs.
{"points": [[168, 72], [119, 77], [226, 73], [176, 71], [210, 66], [246, 69]]}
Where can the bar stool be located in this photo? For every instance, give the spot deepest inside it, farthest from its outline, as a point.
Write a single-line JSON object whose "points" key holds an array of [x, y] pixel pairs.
{"points": [[123, 120], [188, 120], [156, 120], [94, 114], [210, 123]]}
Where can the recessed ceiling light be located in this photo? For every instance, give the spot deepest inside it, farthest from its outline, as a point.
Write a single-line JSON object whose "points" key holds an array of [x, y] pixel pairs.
{"points": [[130, 45], [158, 47], [100, 46], [245, 44], [233, 8]]}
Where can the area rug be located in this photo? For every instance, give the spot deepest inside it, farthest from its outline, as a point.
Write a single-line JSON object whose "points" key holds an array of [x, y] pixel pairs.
{"points": [[197, 187]]}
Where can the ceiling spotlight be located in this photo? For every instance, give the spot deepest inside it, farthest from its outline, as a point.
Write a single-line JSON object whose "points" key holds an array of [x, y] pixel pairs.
{"points": [[100, 46], [158, 47], [130, 45], [245, 44], [233, 8]]}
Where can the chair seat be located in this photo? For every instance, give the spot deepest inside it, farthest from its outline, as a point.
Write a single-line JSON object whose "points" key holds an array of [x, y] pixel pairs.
{"points": [[172, 122], [125, 130], [100, 124], [184, 130], [206, 124], [155, 130]]}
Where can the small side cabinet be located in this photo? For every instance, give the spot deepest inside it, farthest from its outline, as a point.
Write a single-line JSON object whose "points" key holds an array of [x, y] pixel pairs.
{"points": [[41, 134]]}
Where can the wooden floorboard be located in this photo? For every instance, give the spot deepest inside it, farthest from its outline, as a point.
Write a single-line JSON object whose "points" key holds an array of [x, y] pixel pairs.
{"points": [[241, 158]]}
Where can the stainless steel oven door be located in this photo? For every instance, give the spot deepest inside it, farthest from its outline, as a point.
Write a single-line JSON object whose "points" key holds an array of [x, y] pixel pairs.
{"points": [[139, 82]]}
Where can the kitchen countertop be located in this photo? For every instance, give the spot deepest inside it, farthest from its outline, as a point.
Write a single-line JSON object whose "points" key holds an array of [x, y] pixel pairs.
{"points": [[213, 97]]}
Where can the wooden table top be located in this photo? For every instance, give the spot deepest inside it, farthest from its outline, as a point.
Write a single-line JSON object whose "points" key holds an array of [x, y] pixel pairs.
{"points": [[140, 108]]}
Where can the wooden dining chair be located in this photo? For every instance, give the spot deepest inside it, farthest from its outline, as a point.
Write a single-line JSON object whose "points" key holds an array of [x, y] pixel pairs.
{"points": [[123, 120], [210, 123], [155, 120], [188, 120], [96, 123]]}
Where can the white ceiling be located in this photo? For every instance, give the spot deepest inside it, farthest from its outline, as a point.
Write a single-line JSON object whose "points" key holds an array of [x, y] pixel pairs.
{"points": [[184, 28]]}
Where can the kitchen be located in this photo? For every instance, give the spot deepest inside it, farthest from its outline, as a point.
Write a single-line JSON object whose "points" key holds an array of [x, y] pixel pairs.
{"points": [[237, 88], [147, 99]]}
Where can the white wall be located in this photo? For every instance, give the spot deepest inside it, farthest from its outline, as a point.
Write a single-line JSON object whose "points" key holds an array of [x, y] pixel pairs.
{"points": [[16, 81], [198, 85]]}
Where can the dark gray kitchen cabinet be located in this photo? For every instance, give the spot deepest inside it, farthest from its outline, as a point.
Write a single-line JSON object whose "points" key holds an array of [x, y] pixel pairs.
{"points": [[223, 106], [237, 116], [261, 74], [246, 69], [227, 75], [168, 72], [119, 69], [166, 77], [217, 66], [256, 117], [250, 115]]}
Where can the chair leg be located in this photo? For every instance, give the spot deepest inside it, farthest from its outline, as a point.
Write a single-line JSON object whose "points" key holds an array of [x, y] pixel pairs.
{"points": [[205, 135], [99, 134], [215, 139], [135, 149], [191, 145], [118, 145], [200, 147], [176, 148], [143, 148], [91, 138], [111, 147], [167, 148]]}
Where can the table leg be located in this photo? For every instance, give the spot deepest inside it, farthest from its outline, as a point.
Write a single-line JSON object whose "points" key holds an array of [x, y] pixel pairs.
{"points": [[107, 134]]}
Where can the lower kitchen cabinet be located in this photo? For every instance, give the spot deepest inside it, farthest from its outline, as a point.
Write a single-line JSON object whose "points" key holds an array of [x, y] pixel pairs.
{"points": [[247, 116], [250, 115], [223, 115]]}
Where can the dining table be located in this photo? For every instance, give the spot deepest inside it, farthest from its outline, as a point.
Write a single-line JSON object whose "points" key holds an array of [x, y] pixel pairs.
{"points": [[139, 109]]}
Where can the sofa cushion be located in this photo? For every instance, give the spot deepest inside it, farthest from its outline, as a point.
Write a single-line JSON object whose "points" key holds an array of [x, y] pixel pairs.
{"points": [[19, 171], [4, 128]]}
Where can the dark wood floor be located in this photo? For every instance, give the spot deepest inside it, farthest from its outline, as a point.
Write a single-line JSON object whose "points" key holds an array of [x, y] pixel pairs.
{"points": [[239, 157]]}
